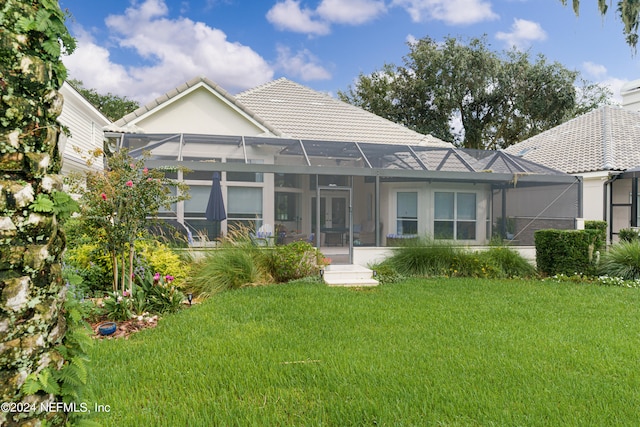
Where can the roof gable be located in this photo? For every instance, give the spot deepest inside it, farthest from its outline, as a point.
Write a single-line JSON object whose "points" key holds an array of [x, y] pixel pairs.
{"points": [[607, 138], [197, 106]]}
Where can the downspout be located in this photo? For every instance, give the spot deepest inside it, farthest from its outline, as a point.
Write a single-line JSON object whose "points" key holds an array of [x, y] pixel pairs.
{"points": [[608, 204], [634, 202], [377, 212], [503, 225], [580, 197]]}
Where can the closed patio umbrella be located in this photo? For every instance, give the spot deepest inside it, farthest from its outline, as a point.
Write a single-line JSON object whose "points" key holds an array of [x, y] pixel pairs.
{"points": [[215, 207]]}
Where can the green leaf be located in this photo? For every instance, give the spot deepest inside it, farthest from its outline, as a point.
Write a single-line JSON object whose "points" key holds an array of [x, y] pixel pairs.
{"points": [[48, 382], [63, 205], [52, 47], [31, 385], [42, 203]]}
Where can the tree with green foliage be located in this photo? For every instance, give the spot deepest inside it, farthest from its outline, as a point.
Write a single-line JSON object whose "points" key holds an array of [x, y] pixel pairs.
{"points": [[112, 106], [628, 12], [118, 204], [41, 352], [499, 99]]}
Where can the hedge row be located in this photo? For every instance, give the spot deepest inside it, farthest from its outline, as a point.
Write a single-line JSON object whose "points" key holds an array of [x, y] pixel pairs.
{"points": [[569, 252]]}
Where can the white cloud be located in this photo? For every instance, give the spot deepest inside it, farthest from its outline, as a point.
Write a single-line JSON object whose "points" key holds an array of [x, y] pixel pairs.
{"points": [[522, 33], [174, 51], [92, 65], [594, 70], [599, 74], [303, 64], [455, 12], [614, 85], [288, 15], [353, 12]]}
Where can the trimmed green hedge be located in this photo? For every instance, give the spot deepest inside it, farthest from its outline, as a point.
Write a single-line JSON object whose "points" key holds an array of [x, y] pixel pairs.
{"points": [[567, 252], [601, 226]]}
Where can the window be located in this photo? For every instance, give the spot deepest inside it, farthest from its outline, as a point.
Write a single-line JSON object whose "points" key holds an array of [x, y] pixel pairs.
{"points": [[286, 180], [244, 207], [245, 176], [196, 206], [407, 213], [329, 181], [286, 207], [454, 216], [194, 213]]}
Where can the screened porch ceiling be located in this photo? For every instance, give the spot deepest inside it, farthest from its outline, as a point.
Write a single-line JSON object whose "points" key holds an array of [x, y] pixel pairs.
{"points": [[203, 152]]}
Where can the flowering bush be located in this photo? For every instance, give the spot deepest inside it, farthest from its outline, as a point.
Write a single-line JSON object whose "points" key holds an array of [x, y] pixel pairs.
{"points": [[91, 261], [160, 292], [117, 203]]}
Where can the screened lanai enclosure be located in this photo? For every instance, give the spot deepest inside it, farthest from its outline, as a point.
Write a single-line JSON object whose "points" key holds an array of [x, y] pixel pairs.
{"points": [[344, 196]]}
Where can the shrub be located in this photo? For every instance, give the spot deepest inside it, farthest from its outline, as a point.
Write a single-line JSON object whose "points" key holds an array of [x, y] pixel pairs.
{"points": [[629, 235], [235, 263], [92, 263], [622, 260], [437, 258], [601, 227], [386, 274], [293, 261], [227, 268], [424, 257], [567, 251], [473, 264], [509, 262], [117, 307], [158, 257], [157, 294]]}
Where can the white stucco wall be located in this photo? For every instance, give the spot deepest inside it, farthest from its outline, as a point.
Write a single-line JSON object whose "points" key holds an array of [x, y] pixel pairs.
{"points": [[593, 195]]}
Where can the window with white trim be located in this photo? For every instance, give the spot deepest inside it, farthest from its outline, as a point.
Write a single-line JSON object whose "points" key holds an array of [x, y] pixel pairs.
{"points": [[406, 213], [455, 216], [244, 207]]}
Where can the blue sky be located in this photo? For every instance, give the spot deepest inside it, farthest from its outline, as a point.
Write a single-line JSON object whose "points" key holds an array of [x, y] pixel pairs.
{"points": [[144, 48]]}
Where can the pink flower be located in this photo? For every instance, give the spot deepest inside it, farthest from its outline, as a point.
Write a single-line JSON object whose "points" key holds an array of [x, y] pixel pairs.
{"points": [[156, 277], [132, 166], [169, 278], [125, 293], [145, 171], [129, 183], [104, 196]]}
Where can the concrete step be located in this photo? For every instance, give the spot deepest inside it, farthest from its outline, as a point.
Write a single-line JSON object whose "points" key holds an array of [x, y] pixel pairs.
{"points": [[349, 275]]}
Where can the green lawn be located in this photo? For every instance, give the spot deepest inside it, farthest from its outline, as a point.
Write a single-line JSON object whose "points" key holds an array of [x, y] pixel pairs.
{"points": [[456, 352]]}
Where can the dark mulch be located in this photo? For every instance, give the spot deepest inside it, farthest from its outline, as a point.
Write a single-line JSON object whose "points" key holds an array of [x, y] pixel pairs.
{"points": [[127, 327]]}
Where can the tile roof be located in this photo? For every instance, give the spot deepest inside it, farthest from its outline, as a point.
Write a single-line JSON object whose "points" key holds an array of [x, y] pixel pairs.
{"points": [[607, 138], [300, 112]]}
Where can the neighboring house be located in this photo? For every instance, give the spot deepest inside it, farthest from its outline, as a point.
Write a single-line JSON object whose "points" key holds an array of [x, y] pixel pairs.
{"points": [[85, 124], [601, 146], [282, 147]]}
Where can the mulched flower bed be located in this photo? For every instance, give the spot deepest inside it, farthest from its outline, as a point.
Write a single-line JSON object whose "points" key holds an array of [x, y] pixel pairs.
{"points": [[127, 327]]}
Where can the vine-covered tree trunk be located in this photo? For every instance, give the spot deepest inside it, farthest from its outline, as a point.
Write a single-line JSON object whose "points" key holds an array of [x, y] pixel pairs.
{"points": [[32, 322]]}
